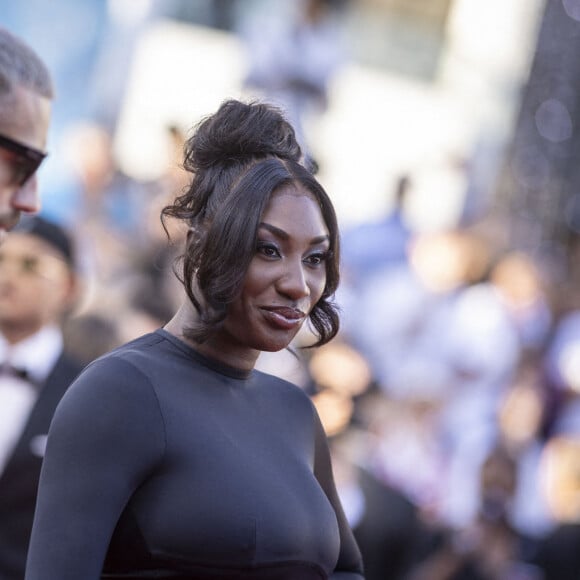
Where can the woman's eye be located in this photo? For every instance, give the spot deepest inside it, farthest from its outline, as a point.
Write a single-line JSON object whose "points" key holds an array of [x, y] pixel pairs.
{"points": [[268, 250], [317, 259]]}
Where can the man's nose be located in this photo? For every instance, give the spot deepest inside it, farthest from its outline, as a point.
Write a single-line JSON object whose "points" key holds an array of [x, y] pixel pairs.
{"points": [[26, 198]]}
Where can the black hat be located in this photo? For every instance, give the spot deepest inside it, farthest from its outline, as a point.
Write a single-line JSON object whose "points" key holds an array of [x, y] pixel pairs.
{"points": [[50, 232]]}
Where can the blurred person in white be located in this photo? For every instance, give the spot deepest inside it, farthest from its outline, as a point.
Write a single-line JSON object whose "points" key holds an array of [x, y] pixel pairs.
{"points": [[105, 199], [38, 286], [375, 245], [432, 330], [423, 293], [520, 287], [512, 517], [294, 49], [515, 289], [111, 205], [379, 247], [26, 94], [98, 191], [489, 548]]}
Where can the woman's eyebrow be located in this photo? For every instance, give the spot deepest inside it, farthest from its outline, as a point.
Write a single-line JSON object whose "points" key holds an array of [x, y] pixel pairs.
{"points": [[284, 235]]}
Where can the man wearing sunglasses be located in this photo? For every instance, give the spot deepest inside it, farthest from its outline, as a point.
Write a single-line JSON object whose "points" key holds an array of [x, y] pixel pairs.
{"points": [[26, 93]]}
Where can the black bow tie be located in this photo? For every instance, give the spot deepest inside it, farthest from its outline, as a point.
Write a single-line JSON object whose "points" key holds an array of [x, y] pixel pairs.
{"points": [[12, 371]]}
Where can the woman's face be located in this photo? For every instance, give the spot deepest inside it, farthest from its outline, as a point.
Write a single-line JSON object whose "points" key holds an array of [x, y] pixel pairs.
{"points": [[286, 276]]}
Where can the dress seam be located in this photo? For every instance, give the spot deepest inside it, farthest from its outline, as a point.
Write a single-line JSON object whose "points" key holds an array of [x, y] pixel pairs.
{"points": [[155, 396]]}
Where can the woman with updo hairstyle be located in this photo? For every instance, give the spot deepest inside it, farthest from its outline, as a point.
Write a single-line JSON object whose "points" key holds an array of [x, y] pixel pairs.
{"points": [[172, 457]]}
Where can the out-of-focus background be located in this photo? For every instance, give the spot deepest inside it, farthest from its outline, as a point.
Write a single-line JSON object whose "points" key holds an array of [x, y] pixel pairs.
{"points": [[446, 132]]}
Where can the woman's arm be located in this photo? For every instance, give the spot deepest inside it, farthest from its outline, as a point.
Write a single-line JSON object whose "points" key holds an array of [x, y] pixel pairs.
{"points": [[106, 437], [349, 565]]}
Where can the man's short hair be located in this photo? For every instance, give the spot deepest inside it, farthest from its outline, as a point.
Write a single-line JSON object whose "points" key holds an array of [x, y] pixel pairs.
{"points": [[21, 66]]}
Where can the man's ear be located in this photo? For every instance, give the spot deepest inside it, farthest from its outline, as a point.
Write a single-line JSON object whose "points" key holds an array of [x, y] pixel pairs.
{"points": [[75, 292]]}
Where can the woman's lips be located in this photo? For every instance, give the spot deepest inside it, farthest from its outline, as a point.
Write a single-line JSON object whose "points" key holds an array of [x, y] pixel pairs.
{"points": [[283, 317]]}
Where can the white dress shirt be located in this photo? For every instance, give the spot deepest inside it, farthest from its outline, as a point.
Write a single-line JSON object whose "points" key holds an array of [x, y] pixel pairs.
{"points": [[37, 355]]}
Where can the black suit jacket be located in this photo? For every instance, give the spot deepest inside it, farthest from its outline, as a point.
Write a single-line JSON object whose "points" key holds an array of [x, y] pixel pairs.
{"points": [[19, 481], [387, 531]]}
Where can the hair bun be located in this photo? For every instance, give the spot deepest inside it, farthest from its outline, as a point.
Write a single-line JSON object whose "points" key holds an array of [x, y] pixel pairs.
{"points": [[239, 132]]}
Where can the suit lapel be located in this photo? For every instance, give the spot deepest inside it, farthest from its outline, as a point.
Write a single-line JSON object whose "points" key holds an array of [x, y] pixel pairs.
{"points": [[36, 428]]}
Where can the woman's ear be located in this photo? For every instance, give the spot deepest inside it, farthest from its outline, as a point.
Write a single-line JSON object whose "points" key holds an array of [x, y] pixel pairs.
{"points": [[196, 232]]}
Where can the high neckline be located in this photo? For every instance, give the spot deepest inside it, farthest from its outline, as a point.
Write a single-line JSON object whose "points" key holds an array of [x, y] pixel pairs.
{"points": [[212, 363]]}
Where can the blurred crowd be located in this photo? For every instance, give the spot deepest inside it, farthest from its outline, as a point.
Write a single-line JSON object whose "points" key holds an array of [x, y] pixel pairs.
{"points": [[451, 397], [460, 445]]}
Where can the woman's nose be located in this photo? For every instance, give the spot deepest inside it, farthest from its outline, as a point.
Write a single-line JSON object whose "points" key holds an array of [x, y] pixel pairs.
{"points": [[293, 283]]}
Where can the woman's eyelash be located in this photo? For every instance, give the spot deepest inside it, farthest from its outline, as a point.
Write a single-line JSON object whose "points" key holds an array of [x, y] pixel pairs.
{"points": [[318, 257], [267, 249]]}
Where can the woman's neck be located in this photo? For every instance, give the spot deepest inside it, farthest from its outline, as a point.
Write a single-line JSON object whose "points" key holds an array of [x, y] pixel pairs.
{"points": [[219, 346]]}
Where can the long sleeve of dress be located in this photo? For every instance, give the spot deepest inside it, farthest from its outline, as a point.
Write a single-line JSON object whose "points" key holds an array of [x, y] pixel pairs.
{"points": [[107, 434], [349, 565]]}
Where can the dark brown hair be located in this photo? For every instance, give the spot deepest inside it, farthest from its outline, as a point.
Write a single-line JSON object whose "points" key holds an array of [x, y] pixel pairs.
{"points": [[238, 157]]}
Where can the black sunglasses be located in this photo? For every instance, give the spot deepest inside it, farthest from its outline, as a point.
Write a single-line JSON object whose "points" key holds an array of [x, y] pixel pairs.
{"points": [[27, 159]]}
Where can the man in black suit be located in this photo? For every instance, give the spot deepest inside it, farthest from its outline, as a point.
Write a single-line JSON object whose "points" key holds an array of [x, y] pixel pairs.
{"points": [[38, 286]]}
